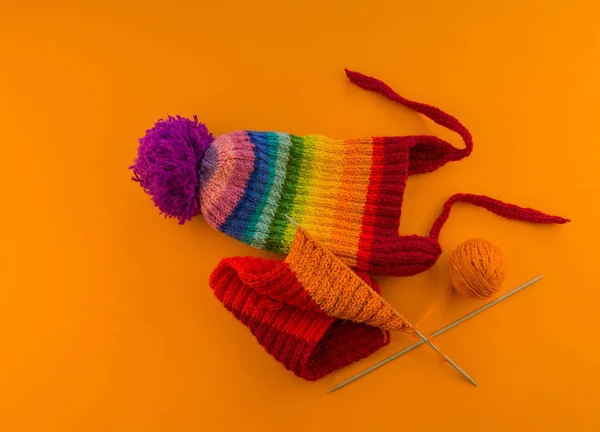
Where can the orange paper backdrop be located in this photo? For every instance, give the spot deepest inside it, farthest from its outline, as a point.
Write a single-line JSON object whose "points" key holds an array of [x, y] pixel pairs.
{"points": [[107, 322]]}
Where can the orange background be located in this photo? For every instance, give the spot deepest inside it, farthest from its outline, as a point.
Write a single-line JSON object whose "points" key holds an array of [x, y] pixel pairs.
{"points": [[107, 322]]}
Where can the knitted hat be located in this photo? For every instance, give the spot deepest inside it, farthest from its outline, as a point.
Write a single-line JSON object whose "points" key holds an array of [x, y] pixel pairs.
{"points": [[267, 297], [347, 192]]}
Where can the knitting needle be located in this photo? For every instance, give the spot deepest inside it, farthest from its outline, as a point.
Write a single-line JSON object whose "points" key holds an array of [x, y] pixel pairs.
{"points": [[437, 333], [418, 333]]}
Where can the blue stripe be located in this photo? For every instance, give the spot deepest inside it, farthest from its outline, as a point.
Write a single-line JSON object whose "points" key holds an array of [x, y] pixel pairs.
{"points": [[282, 142], [238, 222], [251, 229]]}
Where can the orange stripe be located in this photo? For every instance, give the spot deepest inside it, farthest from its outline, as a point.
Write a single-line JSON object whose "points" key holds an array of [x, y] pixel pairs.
{"points": [[345, 234]]}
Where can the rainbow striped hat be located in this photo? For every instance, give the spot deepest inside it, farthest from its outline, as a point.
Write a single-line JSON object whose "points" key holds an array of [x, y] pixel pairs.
{"points": [[347, 192]]}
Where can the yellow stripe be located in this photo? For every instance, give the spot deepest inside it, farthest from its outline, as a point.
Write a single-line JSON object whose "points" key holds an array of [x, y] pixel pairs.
{"points": [[325, 180], [302, 198]]}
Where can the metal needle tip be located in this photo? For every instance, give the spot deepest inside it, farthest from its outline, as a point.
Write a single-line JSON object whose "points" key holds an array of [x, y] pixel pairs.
{"points": [[448, 359], [292, 221]]}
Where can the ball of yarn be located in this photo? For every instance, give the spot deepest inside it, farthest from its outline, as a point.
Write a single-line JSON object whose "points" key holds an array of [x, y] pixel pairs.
{"points": [[477, 269], [167, 165]]}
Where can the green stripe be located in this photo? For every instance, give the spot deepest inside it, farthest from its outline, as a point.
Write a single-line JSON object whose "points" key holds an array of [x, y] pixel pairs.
{"points": [[288, 193], [302, 190], [258, 227]]}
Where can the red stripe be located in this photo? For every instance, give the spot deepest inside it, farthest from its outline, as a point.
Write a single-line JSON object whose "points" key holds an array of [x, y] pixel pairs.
{"points": [[391, 192], [369, 220], [381, 221]]}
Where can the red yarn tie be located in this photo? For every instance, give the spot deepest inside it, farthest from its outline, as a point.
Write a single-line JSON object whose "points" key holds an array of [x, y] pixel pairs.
{"points": [[509, 211], [450, 153]]}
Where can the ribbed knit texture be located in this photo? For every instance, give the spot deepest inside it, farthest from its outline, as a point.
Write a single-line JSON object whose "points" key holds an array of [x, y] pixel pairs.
{"points": [[266, 296], [335, 188]]}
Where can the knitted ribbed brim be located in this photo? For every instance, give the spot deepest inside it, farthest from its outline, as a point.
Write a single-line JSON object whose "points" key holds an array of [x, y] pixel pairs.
{"points": [[266, 296]]}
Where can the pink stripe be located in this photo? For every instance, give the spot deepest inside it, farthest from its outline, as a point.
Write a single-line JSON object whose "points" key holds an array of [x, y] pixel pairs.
{"points": [[227, 185]]}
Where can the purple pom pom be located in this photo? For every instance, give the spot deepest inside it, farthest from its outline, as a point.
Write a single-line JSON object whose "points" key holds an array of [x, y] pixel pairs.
{"points": [[167, 165]]}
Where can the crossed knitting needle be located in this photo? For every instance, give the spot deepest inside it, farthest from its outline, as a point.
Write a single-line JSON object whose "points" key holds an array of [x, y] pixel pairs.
{"points": [[437, 333], [424, 338]]}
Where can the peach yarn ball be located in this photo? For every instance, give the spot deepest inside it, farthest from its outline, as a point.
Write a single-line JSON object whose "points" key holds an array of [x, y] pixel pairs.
{"points": [[477, 269]]}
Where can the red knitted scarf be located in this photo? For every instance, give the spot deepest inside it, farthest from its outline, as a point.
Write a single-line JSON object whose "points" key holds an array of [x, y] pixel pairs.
{"points": [[267, 297]]}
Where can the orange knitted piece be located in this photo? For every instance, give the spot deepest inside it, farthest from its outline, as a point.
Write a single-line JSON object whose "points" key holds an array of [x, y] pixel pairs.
{"points": [[336, 289]]}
